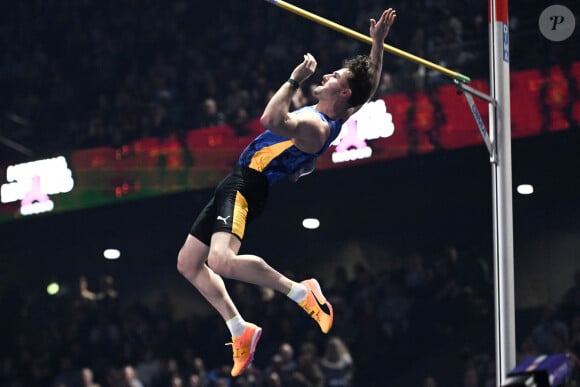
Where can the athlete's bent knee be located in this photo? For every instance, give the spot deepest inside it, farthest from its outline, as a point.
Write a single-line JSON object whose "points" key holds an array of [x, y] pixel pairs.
{"points": [[185, 265], [220, 263]]}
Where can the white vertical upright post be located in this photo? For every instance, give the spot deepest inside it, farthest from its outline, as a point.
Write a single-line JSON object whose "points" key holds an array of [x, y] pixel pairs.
{"points": [[500, 133]]}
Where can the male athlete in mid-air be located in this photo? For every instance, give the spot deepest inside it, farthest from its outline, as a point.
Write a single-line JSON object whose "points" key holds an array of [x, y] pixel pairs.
{"points": [[287, 149]]}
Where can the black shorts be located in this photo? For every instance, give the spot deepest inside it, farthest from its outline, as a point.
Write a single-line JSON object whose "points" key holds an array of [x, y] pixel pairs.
{"points": [[237, 200]]}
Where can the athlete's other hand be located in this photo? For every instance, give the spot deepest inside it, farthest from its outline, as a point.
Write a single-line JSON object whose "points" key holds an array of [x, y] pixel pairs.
{"points": [[305, 69]]}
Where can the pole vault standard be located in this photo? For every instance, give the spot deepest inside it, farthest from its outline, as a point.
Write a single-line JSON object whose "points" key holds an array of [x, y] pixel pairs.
{"points": [[498, 143], [500, 127]]}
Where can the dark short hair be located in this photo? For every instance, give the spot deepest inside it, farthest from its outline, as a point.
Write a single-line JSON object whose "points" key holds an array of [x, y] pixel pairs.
{"points": [[361, 80]]}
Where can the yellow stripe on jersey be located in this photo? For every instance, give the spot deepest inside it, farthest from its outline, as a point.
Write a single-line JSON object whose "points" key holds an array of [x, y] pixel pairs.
{"points": [[240, 215], [262, 158]]}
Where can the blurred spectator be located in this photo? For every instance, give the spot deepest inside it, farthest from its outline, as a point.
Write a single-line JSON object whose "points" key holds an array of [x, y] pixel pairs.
{"points": [[526, 349], [549, 331], [308, 372], [273, 379], [220, 376], [393, 312], [176, 381], [386, 86], [274, 370], [107, 291], [252, 377], [417, 72], [469, 272], [169, 371], [195, 365], [239, 120], [149, 367], [287, 364], [107, 296], [87, 378], [337, 364], [298, 100], [445, 296], [195, 381], [131, 378], [84, 289], [210, 114]]}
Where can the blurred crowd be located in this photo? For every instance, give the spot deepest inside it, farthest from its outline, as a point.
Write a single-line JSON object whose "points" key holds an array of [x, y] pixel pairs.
{"points": [[83, 73], [427, 324]]}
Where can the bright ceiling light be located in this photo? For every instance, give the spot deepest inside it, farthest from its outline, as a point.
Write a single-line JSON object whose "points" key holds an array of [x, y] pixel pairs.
{"points": [[311, 223], [111, 254], [53, 288], [525, 189]]}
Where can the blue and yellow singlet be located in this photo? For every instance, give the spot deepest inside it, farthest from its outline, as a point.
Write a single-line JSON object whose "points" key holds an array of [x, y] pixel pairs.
{"points": [[277, 157]]}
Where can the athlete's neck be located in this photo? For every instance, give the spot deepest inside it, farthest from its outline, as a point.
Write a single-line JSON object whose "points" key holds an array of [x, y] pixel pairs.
{"points": [[332, 111]]}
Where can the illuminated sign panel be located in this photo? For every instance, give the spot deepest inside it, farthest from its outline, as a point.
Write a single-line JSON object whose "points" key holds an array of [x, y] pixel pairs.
{"points": [[33, 182], [372, 121]]}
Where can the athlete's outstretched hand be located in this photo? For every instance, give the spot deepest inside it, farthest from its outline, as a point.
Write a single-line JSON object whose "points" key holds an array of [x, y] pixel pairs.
{"points": [[380, 29], [305, 69]]}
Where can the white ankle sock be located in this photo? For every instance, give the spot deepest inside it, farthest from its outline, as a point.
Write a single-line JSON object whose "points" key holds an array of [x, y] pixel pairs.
{"points": [[297, 292], [236, 325]]}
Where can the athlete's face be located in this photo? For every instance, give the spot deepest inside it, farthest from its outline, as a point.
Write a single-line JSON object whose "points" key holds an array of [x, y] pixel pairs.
{"points": [[333, 85]]}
